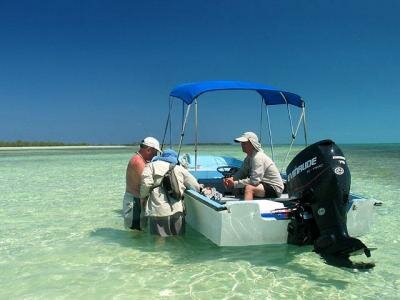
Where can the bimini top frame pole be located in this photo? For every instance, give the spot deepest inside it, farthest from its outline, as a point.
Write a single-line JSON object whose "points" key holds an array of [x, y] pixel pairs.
{"points": [[167, 125], [183, 128], [189, 93], [196, 134], [270, 133]]}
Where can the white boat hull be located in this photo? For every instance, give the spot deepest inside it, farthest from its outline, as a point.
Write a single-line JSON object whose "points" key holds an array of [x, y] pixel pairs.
{"points": [[240, 223]]}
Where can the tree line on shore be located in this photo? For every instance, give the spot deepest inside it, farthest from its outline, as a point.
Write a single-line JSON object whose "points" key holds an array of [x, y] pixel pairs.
{"points": [[20, 143]]}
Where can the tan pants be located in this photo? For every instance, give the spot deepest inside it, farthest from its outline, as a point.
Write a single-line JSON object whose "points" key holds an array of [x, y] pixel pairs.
{"points": [[169, 225]]}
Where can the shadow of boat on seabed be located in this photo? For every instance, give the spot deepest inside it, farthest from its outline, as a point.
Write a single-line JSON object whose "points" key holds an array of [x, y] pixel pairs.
{"points": [[194, 248]]}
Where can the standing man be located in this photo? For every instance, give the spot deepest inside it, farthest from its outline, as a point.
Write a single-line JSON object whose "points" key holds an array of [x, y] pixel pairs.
{"points": [[258, 175], [131, 203], [166, 213]]}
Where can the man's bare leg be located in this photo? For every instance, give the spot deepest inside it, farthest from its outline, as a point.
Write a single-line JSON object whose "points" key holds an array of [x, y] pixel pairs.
{"points": [[251, 191]]}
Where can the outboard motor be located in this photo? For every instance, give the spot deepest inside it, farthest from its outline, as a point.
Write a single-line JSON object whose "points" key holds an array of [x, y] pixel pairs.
{"points": [[320, 179]]}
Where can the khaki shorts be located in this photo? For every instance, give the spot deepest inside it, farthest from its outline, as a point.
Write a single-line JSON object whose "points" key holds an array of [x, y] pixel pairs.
{"points": [[169, 225], [131, 211]]}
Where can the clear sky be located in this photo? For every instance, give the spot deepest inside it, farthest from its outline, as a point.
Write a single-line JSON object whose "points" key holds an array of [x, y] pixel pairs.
{"points": [[101, 71]]}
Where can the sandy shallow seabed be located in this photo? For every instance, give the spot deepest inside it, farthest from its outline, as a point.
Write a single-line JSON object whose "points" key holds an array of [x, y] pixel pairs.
{"points": [[61, 236]]}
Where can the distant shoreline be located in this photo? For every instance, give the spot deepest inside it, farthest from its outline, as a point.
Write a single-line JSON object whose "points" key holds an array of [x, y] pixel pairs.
{"points": [[65, 147], [58, 145], [22, 145], [51, 144], [49, 147]]}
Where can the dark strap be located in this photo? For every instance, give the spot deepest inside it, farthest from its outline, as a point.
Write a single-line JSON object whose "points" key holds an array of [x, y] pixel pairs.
{"points": [[170, 169]]}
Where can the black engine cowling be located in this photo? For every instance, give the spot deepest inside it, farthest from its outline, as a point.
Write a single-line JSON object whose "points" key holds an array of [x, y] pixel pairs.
{"points": [[320, 179]]}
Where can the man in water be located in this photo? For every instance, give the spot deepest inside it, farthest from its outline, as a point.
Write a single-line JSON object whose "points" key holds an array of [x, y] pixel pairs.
{"points": [[258, 175], [166, 211], [131, 202]]}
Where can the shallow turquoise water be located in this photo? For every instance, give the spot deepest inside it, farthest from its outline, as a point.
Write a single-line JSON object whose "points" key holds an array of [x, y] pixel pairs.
{"points": [[62, 237]]}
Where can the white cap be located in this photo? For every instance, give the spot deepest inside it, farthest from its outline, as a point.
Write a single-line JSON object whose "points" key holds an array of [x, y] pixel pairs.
{"points": [[246, 137], [249, 137], [151, 142]]}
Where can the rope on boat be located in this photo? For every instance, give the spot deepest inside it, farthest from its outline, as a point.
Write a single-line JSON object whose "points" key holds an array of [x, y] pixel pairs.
{"points": [[294, 135], [289, 114]]}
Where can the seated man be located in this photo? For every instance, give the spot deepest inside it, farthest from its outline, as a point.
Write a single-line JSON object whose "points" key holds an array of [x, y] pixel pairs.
{"points": [[258, 175]]}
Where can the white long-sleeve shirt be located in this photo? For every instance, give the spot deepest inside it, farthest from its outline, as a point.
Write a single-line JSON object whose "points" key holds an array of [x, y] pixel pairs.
{"points": [[157, 203], [258, 168]]}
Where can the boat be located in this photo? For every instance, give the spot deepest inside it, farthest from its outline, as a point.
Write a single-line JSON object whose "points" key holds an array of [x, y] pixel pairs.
{"points": [[230, 221], [316, 207]]}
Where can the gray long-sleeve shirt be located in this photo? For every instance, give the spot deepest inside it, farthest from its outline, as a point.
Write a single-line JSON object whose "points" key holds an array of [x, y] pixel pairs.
{"points": [[258, 168]]}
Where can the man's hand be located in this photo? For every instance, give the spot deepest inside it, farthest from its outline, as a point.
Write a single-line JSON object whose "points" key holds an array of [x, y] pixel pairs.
{"points": [[229, 182]]}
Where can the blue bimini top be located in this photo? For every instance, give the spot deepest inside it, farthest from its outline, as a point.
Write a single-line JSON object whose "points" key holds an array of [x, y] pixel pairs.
{"points": [[271, 95]]}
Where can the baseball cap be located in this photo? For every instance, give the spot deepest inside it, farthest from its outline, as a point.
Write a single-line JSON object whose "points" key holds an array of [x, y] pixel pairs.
{"points": [[249, 137], [151, 142], [246, 137]]}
